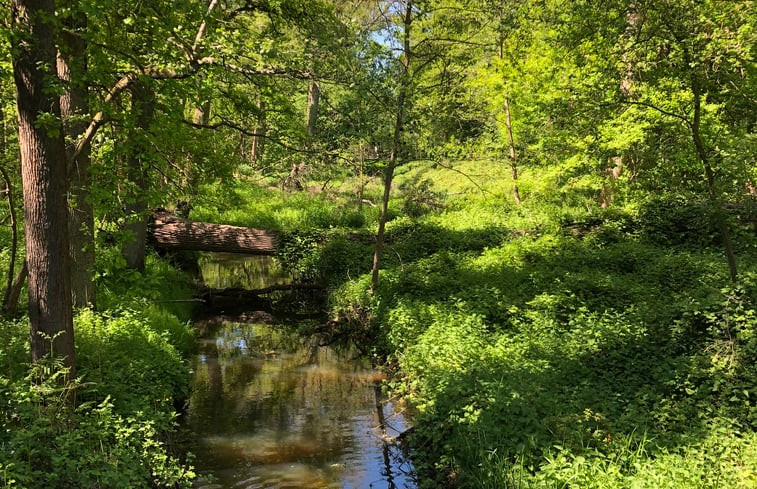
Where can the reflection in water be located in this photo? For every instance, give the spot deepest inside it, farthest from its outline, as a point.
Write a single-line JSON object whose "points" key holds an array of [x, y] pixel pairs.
{"points": [[270, 410], [228, 271]]}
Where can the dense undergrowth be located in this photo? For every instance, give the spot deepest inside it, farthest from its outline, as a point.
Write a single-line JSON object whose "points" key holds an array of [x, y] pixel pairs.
{"points": [[111, 427], [551, 344]]}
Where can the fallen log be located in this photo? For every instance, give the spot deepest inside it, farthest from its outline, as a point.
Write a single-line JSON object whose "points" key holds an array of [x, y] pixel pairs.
{"points": [[171, 233], [235, 299], [237, 294]]}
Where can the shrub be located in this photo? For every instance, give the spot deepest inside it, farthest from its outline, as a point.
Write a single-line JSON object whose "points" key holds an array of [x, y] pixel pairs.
{"points": [[44, 443]]}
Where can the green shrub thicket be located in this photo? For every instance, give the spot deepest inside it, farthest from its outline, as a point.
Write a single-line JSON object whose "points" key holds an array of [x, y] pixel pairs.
{"points": [[111, 427], [557, 344]]}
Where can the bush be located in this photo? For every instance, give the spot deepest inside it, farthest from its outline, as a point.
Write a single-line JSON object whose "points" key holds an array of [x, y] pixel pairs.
{"points": [[44, 443], [678, 220], [131, 359]]}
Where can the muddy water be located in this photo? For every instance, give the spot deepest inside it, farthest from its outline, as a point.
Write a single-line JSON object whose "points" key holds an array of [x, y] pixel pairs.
{"points": [[270, 409]]}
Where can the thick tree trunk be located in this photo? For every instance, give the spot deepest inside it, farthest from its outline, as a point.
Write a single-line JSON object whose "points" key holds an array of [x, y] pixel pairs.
{"points": [[396, 140], [72, 65], [143, 100], [43, 173], [169, 232]]}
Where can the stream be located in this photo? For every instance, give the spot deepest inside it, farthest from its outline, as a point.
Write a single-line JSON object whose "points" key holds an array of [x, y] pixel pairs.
{"points": [[270, 408]]}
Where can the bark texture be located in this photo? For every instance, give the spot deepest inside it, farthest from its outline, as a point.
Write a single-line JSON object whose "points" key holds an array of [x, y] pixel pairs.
{"points": [[143, 101], [74, 106], [256, 147], [513, 161], [314, 99], [43, 172], [173, 233]]}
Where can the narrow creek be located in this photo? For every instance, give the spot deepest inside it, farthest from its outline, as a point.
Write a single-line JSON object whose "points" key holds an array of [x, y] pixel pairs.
{"points": [[271, 409]]}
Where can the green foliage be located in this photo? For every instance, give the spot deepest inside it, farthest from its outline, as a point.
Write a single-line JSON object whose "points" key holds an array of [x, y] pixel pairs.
{"points": [[676, 220], [130, 358], [45, 443], [559, 344], [161, 284], [247, 204], [109, 427]]}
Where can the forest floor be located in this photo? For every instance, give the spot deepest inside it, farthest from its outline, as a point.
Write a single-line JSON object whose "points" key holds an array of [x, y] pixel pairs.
{"points": [[554, 343]]}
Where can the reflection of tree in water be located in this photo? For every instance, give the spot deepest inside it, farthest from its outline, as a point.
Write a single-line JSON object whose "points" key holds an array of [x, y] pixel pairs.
{"points": [[222, 271], [283, 400]]}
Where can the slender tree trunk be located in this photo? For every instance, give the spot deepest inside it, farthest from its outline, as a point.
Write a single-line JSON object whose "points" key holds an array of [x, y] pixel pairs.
{"points": [[10, 306], [696, 135], [314, 99], [256, 147], [143, 100], [712, 190], [43, 173], [74, 105], [508, 118], [513, 162], [10, 195], [200, 116], [361, 181], [396, 140]]}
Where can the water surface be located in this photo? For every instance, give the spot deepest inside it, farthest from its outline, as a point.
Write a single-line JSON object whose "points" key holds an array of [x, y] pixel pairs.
{"points": [[270, 409]]}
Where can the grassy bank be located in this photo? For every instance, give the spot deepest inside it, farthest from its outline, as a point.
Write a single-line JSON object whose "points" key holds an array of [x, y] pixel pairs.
{"points": [[552, 344], [131, 375]]}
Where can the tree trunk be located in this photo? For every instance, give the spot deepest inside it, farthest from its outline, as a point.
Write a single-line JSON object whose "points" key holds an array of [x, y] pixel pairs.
{"points": [[143, 100], [256, 147], [72, 65], [513, 162], [712, 191], [396, 140], [169, 232], [43, 173], [314, 98], [10, 194], [10, 305]]}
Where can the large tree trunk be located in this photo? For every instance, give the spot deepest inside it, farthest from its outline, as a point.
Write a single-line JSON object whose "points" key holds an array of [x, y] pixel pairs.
{"points": [[143, 101], [396, 140], [72, 65], [43, 173], [169, 232]]}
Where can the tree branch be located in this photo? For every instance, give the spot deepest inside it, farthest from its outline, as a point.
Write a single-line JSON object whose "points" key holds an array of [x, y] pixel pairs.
{"points": [[682, 118]]}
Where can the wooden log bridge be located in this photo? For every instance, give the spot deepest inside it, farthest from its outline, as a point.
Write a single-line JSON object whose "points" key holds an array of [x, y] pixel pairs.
{"points": [[170, 232]]}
